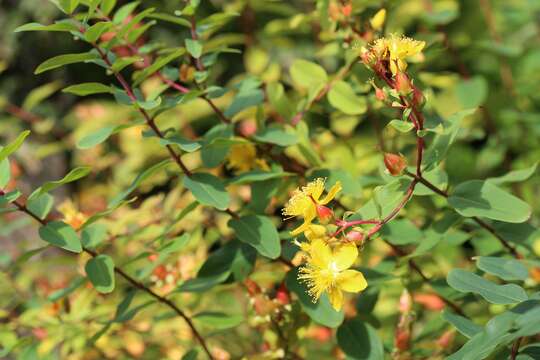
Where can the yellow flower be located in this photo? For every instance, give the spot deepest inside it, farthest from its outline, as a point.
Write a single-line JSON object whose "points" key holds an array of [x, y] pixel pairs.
{"points": [[243, 157], [327, 270], [377, 21], [305, 202], [396, 49], [72, 216], [312, 233]]}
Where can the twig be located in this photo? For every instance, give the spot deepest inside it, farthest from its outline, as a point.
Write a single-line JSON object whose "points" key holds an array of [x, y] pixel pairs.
{"points": [[23, 208], [515, 348], [476, 219]]}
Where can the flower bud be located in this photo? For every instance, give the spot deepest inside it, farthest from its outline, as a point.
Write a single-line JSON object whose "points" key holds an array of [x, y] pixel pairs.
{"points": [[282, 295], [402, 339], [403, 84], [247, 128], [379, 94], [395, 164], [346, 10], [405, 302], [377, 21], [325, 213], [418, 97], [355, 236]]}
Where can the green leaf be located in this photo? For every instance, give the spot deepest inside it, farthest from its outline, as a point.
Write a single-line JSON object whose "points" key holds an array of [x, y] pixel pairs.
{"points": [[441, 143], [514, 176], [472, 92], [259, 232], [359, 340], [217, 320], [40, 204], [90, 88], [107, 6], [37, 95], [66, 59], [72, 176], [401, 232], [9, 197], [14, 146], [465, 281], [171, 18], [5, 173], [462, 324], [194, 48], [122, 13], [62, 235], [306, 74], [276, 135], [100, 271], [258, 175], [183, 143], [342, 97], [201, 284], [401, 126], [93, 33], [505, 268], [99, 136], [117, 200], [208, 190], [157, 65], [93, 235], [244, 99], [58, 26], [212, 156], [481, 198], [68, 6], [321, 311]]}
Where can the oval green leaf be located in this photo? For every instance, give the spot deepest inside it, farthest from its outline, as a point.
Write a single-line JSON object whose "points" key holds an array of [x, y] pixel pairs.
{"points": [[62, 235], [208, 190], [342, 97], [484, 199], [100, 271], [465, 281], [259, 232]]}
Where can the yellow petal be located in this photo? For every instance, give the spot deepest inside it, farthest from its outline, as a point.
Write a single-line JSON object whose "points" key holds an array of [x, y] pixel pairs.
{"points": [[331, 194], [314, 188], [351, 281], [301, 228], [336, 298], [315, 232], [377, 21], [320, 254], [344, 256]]}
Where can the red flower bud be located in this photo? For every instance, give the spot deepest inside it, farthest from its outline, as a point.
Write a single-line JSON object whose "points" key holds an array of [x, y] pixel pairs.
{"points": [[395, 164], [355, 236], [446, 339], [402, 339], [379, 94], [247, 128], [325, 214], [403, 84], [418, 98], [346, 10], [282, 295]]}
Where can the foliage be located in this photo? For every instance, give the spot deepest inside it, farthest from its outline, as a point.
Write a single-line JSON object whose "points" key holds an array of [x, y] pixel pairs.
{"points": [[264, 180]]}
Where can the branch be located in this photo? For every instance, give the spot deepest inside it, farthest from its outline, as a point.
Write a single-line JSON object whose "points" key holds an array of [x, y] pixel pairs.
{"points": [[135, 283], [476, 219]]}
